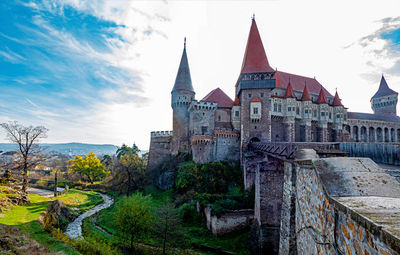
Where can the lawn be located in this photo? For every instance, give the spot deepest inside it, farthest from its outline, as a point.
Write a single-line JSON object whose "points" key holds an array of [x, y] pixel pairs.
{"points": [[25, 216]]}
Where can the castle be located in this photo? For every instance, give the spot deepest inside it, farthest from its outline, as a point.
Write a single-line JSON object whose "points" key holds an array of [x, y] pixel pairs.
{"points": [[269, 106]]}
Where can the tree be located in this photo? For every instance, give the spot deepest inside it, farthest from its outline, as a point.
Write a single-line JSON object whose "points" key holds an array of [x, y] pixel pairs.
{"points": [[107, 161], [128, 171], [133, 217], [27, 139], [90, 166], [168, 225], [124, 149]]}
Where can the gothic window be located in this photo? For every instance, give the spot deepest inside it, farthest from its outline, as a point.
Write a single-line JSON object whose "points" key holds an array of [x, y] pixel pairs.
{"points": [[255, 110], [315, 113], [297, 110], [236, 113], [219, 117], [279, 108], [289, 109], [249, 95], [275, 107], [330, 115], [262, 95], [203, 130]]}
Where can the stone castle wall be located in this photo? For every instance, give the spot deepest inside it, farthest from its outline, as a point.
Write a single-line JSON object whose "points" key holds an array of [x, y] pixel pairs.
{"points": [[326, 226], [160, 147]]}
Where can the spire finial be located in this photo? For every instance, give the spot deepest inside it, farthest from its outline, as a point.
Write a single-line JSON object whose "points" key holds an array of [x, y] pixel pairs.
{"points": [[184, 42], [254, 17]]}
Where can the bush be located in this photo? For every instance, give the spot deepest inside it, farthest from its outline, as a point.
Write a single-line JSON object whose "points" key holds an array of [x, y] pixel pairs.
{"points": [[188, 212]]}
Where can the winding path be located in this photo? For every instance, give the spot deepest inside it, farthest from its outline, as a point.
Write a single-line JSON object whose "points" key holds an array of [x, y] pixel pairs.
{"points": [[74, 229]]}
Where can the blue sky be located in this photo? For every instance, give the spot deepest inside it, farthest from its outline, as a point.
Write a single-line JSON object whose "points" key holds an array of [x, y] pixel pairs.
{"points": [[102, 71]]}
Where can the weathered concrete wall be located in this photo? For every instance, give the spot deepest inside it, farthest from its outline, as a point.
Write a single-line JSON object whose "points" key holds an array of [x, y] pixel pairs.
{"points": [[228, 222], [386, 153]]}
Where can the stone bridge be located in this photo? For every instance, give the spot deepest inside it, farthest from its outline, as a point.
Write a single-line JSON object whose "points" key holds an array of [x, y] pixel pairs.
{"points": [[310, 199]]}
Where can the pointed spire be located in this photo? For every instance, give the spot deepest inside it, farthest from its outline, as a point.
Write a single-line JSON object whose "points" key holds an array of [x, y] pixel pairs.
{"points": [[322, 98], [336, 100], [183, 80], [255, 60], [236, 102], [384, 89], [289, 91], [306, 95]]}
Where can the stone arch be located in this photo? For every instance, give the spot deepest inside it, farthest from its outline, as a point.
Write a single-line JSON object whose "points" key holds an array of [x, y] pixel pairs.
{"points": [[372, 135], [355, 134], [392, 135], [387, 135], [254, 140], [363, 133], [379, 135]]}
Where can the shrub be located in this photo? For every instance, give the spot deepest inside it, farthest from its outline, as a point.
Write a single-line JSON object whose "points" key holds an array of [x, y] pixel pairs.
{"points": [[188, 212]]}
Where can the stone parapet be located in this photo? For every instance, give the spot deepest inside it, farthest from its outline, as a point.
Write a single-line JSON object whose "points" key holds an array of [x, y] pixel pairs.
{"points": [[161, 133], [226, 133]]}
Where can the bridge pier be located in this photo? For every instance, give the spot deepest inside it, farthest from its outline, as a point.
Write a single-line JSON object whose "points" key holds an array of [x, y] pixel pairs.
{"points": [[268, 203]]}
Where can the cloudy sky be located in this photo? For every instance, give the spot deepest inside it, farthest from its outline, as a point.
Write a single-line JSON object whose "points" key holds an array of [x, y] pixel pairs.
{"points": [[101, 71]]}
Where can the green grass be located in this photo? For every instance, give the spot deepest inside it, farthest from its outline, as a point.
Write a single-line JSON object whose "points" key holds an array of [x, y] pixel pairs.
{"points": [[197, 233], [25, 216]]}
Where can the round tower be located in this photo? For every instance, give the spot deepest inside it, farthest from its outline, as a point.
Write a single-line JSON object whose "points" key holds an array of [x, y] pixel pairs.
{"points": [[385, 100], [182, 95]]}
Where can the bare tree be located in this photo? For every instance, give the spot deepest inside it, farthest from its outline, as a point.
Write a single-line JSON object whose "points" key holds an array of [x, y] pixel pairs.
{"points": [[27, 139]]}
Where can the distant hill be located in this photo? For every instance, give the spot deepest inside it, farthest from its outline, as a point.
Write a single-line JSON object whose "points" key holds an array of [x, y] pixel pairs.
{"points": [[69, 148]]}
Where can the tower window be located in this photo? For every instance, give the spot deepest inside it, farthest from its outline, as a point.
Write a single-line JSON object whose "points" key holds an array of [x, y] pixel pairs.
{"points": [[262, 95], [279, 108], [203, 130], [255, 110], [236, 113], [297, 110], [275, 107], [249, 95], [219, 117]]}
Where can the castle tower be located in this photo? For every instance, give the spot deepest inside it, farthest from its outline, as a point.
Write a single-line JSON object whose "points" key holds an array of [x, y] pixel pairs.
{"points": [[385, 100], [181, 96], [253, 89]]}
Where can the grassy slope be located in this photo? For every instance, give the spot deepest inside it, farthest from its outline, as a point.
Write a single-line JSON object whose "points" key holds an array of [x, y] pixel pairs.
{"points": [[197, 233], [25, 216]]}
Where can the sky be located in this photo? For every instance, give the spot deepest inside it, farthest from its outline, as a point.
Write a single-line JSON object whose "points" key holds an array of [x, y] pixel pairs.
{"points": [[102, 71]]}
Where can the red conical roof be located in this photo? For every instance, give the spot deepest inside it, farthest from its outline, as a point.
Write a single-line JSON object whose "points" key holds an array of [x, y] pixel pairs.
{"points": [[255, 60], [322, 98], [289, 92], [336, 100], [236, 102], [306, 95]]}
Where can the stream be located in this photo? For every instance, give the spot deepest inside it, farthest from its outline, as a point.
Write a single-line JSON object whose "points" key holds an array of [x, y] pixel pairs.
{"points": [[74, 229]]}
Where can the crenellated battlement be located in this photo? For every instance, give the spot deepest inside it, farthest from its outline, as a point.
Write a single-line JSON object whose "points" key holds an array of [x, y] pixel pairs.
{"points": [[202, 105], [226, 133], [202, 139], [161, 133]]}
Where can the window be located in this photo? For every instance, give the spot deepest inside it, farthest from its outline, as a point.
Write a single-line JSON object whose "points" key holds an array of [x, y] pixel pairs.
{"points": [[323, 114], [279, 108], [219, 117], [275, 107], [236, 113], [306, 111], [315, 113], [330, 115], [249, 95], [289, 109], [297, 110], [203, 130], [255, 110], [262, 95]]}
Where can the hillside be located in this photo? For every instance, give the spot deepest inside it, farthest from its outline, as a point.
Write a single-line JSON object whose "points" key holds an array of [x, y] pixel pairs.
{"points": [[69, 148]]}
